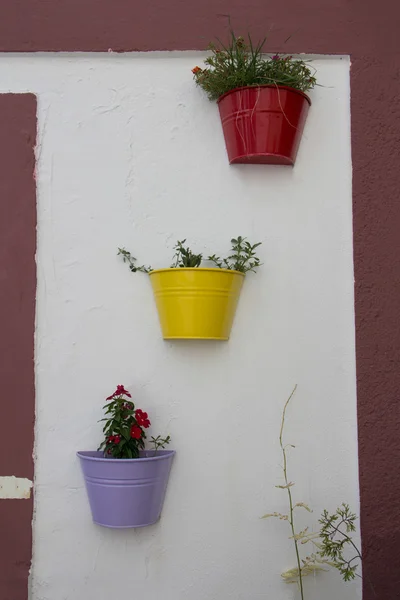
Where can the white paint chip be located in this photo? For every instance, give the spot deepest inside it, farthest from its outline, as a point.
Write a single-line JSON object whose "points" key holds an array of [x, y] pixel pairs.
{"points": [[15, 487]]}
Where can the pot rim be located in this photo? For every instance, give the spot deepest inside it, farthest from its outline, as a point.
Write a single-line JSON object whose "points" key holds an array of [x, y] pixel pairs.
{"points": [[82, 454], [179, 269], [266, 85]]}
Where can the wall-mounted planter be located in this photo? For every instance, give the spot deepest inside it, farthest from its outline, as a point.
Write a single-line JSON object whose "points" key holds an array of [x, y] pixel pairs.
{"points": [[263, 125], [126, 492], [196, 303]]}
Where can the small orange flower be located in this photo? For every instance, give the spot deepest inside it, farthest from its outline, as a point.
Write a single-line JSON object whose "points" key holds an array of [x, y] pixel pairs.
{"points": [[196, 70]]}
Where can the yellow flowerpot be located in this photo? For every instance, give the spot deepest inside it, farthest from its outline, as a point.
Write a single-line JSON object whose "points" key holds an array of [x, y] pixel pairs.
{"points": [[196, 303]]}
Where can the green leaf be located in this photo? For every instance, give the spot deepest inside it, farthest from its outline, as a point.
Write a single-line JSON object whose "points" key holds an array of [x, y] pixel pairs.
{"points": [[126, 433]]}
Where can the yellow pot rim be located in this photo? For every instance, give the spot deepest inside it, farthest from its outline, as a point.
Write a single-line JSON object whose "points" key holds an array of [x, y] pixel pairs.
{"points": [[178, 269]]}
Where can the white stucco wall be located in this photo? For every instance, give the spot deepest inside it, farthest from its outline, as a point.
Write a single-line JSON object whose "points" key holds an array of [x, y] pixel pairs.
{"points": [[131, 154]]}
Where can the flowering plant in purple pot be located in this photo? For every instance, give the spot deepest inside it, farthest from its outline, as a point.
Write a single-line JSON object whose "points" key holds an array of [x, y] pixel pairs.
{"points": [[125, 426], [126, 484]]}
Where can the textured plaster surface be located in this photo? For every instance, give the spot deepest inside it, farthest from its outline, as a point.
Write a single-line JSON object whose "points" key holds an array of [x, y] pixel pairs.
{"points": [[368, 31], [131, 154], [17, 318], [376, 183], [332, 26]]}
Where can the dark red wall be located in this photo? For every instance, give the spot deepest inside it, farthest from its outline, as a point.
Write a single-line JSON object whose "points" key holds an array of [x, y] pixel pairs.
{"points": [[361, 27], [368, 31], [17, 319]]}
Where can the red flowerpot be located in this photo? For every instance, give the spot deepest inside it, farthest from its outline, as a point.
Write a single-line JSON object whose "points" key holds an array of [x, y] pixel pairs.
{"points": [[264, 124]]}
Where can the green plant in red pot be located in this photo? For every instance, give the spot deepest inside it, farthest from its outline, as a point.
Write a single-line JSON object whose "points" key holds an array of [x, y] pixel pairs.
{"points": [[114, 474], [261, 100]]}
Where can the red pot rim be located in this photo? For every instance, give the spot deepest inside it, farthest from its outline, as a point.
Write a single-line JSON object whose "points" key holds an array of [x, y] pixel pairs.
{"points": [[280, 87]]}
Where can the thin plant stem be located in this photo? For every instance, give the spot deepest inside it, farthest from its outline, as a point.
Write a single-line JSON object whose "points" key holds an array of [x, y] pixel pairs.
{"points": [[287, 486], [359, 556], [348, 538]]}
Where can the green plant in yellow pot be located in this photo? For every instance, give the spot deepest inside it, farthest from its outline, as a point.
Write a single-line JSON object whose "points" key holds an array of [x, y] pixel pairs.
{"points": [[196, 302]]}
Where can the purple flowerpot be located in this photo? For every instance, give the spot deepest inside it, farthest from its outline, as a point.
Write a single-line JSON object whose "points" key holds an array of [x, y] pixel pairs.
{"points": [[126, 492]]}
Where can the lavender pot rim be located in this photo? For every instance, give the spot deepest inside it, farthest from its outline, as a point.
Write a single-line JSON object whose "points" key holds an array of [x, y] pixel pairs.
{"points": [[161, 455]]}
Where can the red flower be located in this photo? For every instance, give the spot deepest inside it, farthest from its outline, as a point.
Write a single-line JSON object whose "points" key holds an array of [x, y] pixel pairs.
{"points": [[276, 57], [136, 432], [113, 439], [142, 418], [196, 70], [120, 391]]}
